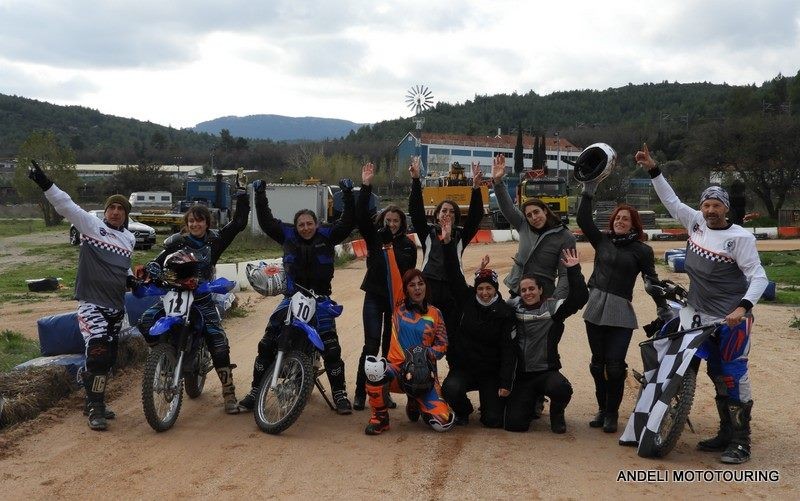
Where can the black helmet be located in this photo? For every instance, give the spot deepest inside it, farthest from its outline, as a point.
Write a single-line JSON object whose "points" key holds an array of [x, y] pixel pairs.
{"points": [[182, 268], [594, 163]]}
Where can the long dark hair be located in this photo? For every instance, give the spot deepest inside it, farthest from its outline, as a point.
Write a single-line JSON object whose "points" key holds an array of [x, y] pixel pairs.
{"points": [[636, 220], [551, 219], [410, 275], [456, 209], [381, 216]]}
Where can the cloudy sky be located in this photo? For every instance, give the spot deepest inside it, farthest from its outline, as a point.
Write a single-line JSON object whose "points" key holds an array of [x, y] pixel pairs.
{"points": [[178, 62]]}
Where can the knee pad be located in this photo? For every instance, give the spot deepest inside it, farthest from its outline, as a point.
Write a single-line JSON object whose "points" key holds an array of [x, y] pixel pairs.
{"points": [[440, 423], [616, 370], [332, 351], [375, 369], [100, 354]]}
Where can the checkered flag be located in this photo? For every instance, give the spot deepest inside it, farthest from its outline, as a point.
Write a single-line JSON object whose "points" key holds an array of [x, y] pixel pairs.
{"points": [[665, 362]]}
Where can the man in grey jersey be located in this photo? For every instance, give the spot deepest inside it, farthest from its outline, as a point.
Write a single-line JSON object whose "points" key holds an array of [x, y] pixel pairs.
{"points": [[103, 276], [726, 281]]}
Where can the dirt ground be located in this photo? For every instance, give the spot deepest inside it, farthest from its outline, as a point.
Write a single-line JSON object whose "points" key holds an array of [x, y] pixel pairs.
{"points": [[208, 453]]}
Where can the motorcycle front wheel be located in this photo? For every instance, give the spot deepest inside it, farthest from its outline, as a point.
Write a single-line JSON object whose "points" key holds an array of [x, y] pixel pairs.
{"points": [[278, 407], [160, 400], [674, 420], [195, 380]]}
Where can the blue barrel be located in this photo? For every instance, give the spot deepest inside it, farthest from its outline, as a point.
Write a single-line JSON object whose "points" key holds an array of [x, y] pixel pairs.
{"points": [[677, 264], [769, 292], [672, 252]]}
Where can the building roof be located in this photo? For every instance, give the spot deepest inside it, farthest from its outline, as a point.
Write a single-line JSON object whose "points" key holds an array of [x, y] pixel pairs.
{"points": [[507, 141]]}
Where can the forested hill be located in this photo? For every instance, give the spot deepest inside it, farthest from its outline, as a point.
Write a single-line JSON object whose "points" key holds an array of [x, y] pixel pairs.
{"points": [[94, 136], [631, 105], [280, 128]]}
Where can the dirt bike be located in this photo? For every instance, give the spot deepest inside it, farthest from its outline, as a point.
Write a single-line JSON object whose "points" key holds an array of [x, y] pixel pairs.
{"points": [[292, 376], [681, 319], [179, 358]]}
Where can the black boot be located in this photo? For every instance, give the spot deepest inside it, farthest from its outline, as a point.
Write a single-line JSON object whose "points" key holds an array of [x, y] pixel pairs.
{"points": [[597, 371], [720, 442], [558, 423], [109, 414], [338, 388], [738, 450], [95, 385], [616, 371]]}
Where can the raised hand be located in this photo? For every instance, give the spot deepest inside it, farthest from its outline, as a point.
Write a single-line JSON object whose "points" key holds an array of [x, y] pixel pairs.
{"points": [[259, 186], [644, 159], [498, 167], [484, 262], [477, 175], [38, 176], [367, 173], [414, 168], [447, 229], [569, 257]]}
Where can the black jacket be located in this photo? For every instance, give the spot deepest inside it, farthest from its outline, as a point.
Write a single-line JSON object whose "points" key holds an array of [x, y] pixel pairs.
{"points": [[480, 343], [616, 264], [405, 251], [215, 241], [539, 328], [432, 254], [308, 263]]}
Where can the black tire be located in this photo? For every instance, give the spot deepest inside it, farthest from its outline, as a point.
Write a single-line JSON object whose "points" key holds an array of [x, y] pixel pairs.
{"points": [[195, 380], [74, 236], [660, 444], [161, 404], [277, 409]]}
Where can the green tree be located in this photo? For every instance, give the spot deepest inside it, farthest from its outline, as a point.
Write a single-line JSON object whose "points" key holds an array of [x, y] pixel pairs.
{"points": [[518, 163], [57, 161], [764, 150]]}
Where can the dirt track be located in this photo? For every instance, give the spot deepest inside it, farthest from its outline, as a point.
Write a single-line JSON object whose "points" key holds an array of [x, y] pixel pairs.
{"points": [[209, 453]]}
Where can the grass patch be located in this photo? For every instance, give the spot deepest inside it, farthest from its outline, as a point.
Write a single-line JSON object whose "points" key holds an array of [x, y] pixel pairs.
{"points": [[15, 349], [787, 295], [782, 267], [795, 322], [239, 309], [249, 247], [13, 227]]}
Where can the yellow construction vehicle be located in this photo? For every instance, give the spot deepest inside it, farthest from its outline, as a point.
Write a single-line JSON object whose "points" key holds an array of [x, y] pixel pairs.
{"points": [[453, 186], [553, 191]]}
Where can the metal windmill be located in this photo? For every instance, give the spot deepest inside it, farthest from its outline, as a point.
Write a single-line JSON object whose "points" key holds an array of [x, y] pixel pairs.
{"points": [[418, 99]]}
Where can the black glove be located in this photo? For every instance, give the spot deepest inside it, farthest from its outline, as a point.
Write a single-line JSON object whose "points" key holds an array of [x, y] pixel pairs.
{"points": [[259, 186], [346, 184], [385, 234], [153, 269], [38, 176], [132, 282]]}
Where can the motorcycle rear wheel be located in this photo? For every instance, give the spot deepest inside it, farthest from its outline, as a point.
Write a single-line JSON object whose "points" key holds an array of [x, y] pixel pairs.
{"points": [[161, 403], [279, 407], [195, 380]]}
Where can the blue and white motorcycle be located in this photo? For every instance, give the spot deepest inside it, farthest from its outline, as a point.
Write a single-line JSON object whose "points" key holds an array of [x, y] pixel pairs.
{"points": [[292, 376], [179, 356]]}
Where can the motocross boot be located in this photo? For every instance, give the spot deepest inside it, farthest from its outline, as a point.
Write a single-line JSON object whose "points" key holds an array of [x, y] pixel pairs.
{"points": [[720, 442], [412, 409], [228, 390], [248, 403], [738, 450], [378, 423], [95, 385], [339, 388], [598, 374]]}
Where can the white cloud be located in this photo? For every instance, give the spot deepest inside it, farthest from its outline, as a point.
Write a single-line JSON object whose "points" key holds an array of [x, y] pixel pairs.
{"points": [[184, 62]]}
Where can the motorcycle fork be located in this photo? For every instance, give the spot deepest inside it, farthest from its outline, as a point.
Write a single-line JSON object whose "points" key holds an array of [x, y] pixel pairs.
{"points": [[284, 343], [183, 348]]}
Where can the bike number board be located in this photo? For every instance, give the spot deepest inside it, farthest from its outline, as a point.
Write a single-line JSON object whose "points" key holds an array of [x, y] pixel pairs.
{"points": [[303, 307], [177, 303]]}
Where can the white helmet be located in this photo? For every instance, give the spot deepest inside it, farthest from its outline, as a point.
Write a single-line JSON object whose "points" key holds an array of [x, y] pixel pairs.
{"points": [[375, 368], [595, 163], [268, 278]]}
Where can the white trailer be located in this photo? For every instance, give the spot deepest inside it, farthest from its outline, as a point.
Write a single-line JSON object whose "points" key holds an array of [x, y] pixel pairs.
{"points": [[286, 199]]}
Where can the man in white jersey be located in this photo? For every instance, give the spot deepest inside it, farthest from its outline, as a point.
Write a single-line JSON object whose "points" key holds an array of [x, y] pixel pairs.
{"points": [[726, 281], [103, 276]]}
